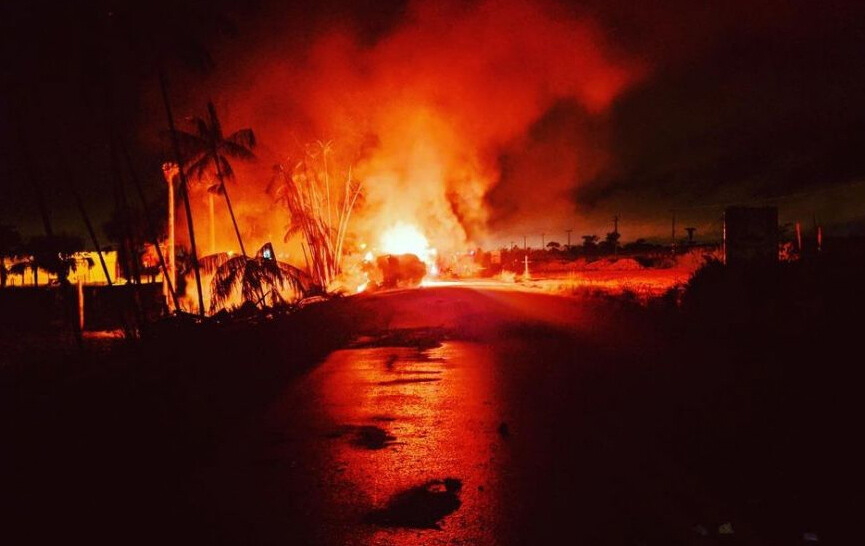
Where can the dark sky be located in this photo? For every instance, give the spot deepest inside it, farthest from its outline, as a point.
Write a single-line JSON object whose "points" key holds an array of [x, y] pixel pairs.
{"points": [[740, 103], [746, 103]]}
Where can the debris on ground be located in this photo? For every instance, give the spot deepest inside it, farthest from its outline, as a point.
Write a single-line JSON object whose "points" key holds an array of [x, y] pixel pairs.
{"points": [[420, 507], [372, 437]]}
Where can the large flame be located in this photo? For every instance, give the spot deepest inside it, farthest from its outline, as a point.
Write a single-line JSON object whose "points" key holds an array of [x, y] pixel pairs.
{"points": [[402, 238]]}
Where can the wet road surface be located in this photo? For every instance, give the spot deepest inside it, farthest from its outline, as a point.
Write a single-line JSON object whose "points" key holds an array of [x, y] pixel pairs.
{"points": [[370, 423], [448, 415], [492, 390]]}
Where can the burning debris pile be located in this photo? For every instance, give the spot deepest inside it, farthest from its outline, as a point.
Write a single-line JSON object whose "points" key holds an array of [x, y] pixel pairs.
{"points": [[405, 259], [397, 271]]}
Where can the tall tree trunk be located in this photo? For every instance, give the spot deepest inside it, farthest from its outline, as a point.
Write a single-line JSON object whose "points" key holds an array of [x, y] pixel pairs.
{"points": [[163, 84], [168, 170], [151, 230], [222, 187], [212, 224]]}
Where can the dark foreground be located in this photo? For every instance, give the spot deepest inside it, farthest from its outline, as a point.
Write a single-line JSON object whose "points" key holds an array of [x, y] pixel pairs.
{"points": [[444, 416]]}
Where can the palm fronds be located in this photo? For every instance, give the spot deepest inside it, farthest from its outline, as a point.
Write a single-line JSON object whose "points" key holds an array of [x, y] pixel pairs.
{"points": [[206, 150], [211, 263], [256, 278], [310, 200]]}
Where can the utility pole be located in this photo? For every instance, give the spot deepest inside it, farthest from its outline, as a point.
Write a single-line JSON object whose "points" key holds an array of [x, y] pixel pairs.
{"points": [[673, 242], [818, 234], [616, 231], [568, 231], [799, 237], [184, 190], [171, 171], [543, 246], [525, 246]]}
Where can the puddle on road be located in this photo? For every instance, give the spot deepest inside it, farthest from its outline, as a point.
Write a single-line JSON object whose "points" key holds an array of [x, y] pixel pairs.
{"points": [[420, 446], [420, 507], [406, 381]]}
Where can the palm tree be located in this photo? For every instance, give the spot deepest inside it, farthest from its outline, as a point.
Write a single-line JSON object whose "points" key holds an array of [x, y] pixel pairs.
{"points": [[20, 268], [257, 278], [309, 205], [54, 254], [161, 36], [10, 240], [208, 150]]}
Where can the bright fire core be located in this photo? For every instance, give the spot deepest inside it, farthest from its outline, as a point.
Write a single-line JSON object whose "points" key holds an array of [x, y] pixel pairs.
{"points": [[404, 238]]}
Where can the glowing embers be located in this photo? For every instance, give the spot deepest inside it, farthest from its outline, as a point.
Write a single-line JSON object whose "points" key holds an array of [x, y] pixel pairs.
{"points": [[404, 238]]}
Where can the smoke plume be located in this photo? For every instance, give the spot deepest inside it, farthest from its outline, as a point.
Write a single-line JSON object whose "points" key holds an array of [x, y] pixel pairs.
{"points": [[428, 114]]}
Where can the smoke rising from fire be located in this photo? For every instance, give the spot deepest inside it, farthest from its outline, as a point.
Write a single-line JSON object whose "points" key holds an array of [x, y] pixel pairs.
{"points": [[425, 113]]}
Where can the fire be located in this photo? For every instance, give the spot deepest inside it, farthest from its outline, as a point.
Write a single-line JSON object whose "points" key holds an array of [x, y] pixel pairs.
{"points": [[422, 118], [424, 115], [402, 238]]}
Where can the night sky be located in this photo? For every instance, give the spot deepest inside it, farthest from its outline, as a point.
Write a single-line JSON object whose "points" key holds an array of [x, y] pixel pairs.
{"points": [[736, 103]]}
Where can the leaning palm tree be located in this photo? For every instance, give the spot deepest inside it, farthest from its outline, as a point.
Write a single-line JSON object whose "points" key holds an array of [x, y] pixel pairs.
{"points": [[257, 278], [208, 151]]}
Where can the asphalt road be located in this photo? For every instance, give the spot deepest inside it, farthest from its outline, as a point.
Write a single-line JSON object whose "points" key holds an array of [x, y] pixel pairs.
{"points": [[454, 415]]}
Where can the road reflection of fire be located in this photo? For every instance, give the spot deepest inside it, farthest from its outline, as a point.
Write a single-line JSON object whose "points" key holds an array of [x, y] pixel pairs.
{"points": [[404, 417]]}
